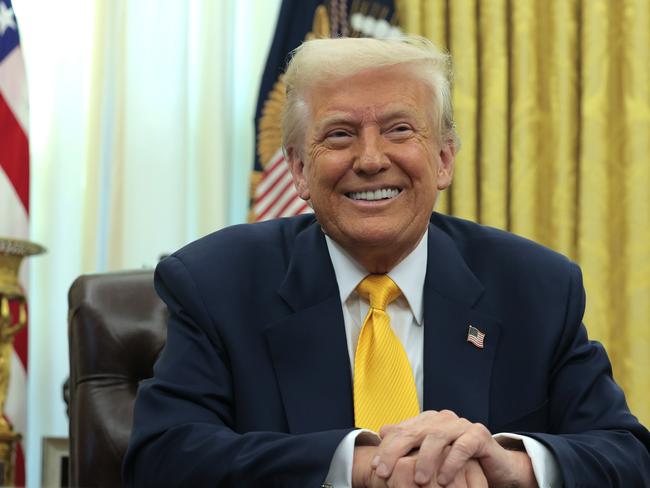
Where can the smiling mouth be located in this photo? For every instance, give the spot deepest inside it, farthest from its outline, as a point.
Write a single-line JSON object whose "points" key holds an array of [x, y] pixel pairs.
{"points": [[374, 195]]}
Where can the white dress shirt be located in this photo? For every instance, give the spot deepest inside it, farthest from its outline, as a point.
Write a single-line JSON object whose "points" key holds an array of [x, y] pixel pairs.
{"points": [[406, 316]]}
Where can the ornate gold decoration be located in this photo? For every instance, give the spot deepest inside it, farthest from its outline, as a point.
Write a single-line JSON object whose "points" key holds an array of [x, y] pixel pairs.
{"points": [[269, 138], [13, 317], [320, 27]]}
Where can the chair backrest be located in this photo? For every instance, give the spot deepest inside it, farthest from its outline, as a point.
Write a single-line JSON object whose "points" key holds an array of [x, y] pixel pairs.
{"points": [[117, 326]]}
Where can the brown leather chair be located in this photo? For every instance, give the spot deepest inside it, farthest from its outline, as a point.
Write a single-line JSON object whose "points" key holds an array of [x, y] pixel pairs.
{"points": [[117, 327]]}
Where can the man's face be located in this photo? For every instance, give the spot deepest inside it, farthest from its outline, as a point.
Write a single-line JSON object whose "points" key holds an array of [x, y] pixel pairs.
{"points": [[371, 163]]}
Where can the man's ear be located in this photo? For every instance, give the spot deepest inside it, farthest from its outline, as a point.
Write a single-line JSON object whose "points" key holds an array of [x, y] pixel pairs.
{"points": [[447, 157], [297, 168]]}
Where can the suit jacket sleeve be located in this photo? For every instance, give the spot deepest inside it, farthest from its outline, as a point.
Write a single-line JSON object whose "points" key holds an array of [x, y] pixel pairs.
{"points": [[184, 421], [593, 435]]}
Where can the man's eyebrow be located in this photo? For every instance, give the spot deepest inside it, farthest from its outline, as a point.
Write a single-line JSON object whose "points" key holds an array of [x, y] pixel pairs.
{"points": [[335, 118], [385, 115]]}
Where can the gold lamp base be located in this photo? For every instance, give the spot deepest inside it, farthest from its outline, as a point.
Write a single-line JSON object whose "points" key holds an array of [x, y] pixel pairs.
{"points": [[13, 317], [8, 442]]}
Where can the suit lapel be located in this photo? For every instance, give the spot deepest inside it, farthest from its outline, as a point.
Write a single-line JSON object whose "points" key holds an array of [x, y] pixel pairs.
{"points": [[308, 348], [456, 372]]}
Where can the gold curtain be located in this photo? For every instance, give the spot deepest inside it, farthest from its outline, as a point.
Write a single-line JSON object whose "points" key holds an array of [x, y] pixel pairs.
{"points": [[552, 103]]}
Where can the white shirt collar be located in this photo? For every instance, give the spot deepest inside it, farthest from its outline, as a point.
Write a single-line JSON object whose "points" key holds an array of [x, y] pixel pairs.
{"points": [[409, 274]]}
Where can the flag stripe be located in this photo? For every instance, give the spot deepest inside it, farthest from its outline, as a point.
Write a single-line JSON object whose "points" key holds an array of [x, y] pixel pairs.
{"points": [[14, 158], [14, 221], [263, 205], [297, 205], [291, 201], [278, 202], [274, 165], [13, 87], [266, 205], [272, 179]]}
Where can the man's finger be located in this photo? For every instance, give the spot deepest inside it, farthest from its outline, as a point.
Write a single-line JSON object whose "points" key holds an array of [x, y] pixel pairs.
{"points": [[414, 421], [393, 447], [430, 457], [471, 444], [387, 429], [409, 435]]}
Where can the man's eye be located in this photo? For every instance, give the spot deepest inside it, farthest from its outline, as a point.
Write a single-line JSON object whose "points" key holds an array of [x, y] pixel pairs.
{"points": [[401, 128], [338, 134], [399, 131]]}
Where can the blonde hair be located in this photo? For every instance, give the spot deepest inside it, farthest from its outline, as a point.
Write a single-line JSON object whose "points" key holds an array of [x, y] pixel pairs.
{"points": [[331, 59]]}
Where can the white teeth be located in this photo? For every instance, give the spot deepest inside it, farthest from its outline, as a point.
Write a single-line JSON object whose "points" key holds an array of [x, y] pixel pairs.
{"points": [[374, 195]]}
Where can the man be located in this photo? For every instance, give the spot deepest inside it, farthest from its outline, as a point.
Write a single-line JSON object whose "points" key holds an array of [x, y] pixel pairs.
{"points": [[284, 336]]}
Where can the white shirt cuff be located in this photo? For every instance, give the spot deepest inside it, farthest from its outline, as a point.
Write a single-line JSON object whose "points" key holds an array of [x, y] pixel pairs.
{"points": [[545, 466], [340, 472]]}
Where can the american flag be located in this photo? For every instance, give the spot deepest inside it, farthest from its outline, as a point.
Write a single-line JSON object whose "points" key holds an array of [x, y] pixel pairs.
{"points": [[275, 195], [14, 197], [475, 336]]}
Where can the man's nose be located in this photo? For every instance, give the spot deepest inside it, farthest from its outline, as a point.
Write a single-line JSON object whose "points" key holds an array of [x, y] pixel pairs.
{"points": [[371, 158]]}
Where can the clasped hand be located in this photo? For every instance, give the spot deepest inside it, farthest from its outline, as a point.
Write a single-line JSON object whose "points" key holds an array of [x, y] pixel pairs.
{"points": [[439, 449]]}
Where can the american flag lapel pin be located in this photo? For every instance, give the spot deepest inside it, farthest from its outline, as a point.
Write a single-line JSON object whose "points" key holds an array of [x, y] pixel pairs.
{"points": [[475, 336]]}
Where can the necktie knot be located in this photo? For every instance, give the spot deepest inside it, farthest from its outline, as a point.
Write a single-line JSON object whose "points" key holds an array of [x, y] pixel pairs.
{"points": [[379, 289]]}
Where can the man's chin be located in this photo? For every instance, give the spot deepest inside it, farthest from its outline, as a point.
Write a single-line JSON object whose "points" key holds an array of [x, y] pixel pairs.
{"points": [[363, 236], [360, 242]]}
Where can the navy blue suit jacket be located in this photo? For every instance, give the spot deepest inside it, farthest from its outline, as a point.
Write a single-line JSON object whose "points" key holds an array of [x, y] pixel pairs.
{"points": [[253, 387]]}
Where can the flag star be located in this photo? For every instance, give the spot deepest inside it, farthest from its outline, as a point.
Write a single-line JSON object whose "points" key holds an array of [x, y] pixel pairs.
{"points": [[7, 18]]}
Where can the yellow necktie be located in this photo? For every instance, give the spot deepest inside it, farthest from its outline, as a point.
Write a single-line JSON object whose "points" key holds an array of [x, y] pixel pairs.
{"points": [[384, 388]]}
